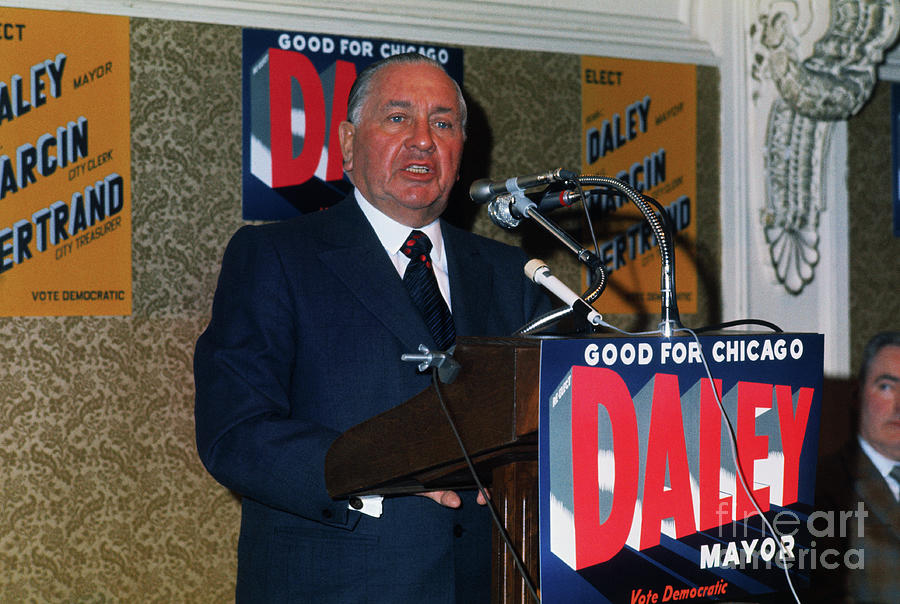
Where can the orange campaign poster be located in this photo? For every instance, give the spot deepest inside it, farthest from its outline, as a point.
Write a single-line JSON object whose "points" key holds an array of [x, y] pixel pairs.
{"points": [[639, 125], [65, 157]]}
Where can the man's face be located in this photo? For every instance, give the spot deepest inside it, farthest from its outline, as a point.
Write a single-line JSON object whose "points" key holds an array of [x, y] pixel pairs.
{"points": [[879, 420], [404, 154]]}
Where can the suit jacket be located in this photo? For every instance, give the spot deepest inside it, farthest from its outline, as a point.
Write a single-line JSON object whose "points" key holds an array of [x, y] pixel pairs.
{"points": [[309, 321], [844, 480]]}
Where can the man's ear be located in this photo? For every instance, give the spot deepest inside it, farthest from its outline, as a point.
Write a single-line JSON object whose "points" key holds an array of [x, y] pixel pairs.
{"points": [[346, 132]]}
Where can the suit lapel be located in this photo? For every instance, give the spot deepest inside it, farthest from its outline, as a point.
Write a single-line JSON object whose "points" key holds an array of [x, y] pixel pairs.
{"points": [[353, 252], [872, 488], [471, 283]]}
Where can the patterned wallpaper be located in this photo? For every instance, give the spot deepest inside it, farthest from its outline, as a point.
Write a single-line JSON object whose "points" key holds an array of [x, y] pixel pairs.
{"points": [[102, 496], [874, 251]]}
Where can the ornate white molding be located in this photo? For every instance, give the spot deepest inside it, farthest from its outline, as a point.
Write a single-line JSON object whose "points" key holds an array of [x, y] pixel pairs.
{"points": [[832, 83], [655, 30], [750, 287]]}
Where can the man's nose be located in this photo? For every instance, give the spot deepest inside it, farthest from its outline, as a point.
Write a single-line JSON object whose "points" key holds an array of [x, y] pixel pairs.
{"points": [[421, 136]]}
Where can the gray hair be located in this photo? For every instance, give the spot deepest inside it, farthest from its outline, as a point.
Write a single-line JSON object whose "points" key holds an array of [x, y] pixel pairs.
{"points": [[363, 84], [873, 347]]}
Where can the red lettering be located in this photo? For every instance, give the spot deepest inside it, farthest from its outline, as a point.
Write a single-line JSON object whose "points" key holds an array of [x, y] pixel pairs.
{"points": [[793, 429], [666, 490], [714, 510], [285, 67], [598, 541], [344, 74], [751, 396], [665, 446]]}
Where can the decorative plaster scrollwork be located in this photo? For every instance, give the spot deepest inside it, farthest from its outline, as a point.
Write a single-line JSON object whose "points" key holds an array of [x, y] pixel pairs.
{"points": [[831, 84], [795, 146]]}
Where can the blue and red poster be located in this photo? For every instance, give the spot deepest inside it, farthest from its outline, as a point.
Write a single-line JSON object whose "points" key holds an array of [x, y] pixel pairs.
{"points": [[295, 91], [641, 498]]}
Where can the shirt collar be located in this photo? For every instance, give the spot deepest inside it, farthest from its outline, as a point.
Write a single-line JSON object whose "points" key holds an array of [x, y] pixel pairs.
{"points": [[883, 464], [393, 234]]}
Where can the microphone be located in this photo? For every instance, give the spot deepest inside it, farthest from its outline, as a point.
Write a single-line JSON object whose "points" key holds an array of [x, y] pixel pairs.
{"points": [[508, 210], [558, 199], [484, 189], [539, 272]]}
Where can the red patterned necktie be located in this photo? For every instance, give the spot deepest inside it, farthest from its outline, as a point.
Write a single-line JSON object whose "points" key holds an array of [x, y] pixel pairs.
{"points": [[423, 289]]}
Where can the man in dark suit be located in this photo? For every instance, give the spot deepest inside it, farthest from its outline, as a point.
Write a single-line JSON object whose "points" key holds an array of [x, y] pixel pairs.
{"points": [[309, 321], [862, 479]]}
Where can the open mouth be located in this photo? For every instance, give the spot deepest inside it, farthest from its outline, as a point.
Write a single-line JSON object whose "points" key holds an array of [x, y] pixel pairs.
{"points": [[415, 169]]}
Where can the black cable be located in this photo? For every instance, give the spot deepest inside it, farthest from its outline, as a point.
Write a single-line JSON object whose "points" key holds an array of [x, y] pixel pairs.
{"points": [[519, 564], [739, 467], [587, 213], [738, 322], [740, 477]]}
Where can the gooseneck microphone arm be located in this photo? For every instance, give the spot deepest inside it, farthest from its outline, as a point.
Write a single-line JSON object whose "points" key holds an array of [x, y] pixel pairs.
{"points": [[584, 255], [509, 204], [505, 210], [670, 319]]}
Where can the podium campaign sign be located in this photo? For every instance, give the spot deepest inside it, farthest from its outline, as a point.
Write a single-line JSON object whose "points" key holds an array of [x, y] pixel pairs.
{"points": [[641, 497]]}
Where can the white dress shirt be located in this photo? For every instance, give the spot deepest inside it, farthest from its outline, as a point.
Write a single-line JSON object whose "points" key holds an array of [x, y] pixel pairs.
{"points": [[393, 235], [883, 464]]}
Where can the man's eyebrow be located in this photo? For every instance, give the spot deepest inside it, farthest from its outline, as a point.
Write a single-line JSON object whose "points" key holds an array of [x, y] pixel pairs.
{"points": [[399, 104], [890, 377]]}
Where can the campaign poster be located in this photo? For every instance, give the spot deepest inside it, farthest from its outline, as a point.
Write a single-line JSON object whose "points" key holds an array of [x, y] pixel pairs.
{"points": [[65, 164], [295, 91], [641, 500], [639, 125]]}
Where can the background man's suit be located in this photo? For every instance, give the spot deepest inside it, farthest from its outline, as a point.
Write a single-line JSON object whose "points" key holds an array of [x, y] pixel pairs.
{"points": [[309, 321], [843, 480]]}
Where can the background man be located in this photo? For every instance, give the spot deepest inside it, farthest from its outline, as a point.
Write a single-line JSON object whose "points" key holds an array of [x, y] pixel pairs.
{"points": [[867, 470], [309, 321]]}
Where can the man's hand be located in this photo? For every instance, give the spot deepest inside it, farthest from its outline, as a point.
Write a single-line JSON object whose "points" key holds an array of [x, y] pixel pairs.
{"points": [[450, 499]]}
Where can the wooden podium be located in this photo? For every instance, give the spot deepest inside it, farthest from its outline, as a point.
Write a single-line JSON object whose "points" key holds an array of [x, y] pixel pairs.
{"points": [[411, 448]]}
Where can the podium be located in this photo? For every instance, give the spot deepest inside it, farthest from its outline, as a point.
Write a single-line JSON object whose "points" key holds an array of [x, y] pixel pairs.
{"points": [[646, 407], [495, 405]]}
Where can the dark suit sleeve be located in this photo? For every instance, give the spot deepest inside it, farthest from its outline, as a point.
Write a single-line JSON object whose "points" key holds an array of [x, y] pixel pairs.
{"points": [[243, 367]]}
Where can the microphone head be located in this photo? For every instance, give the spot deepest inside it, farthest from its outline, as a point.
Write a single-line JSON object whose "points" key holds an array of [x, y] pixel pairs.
{"points": [[480, 191], [500, 212], [533, 266]]}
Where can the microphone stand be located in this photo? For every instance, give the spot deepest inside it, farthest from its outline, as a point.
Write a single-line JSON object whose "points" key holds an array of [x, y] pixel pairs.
{"points": [[670, 320], [507, 210]]}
